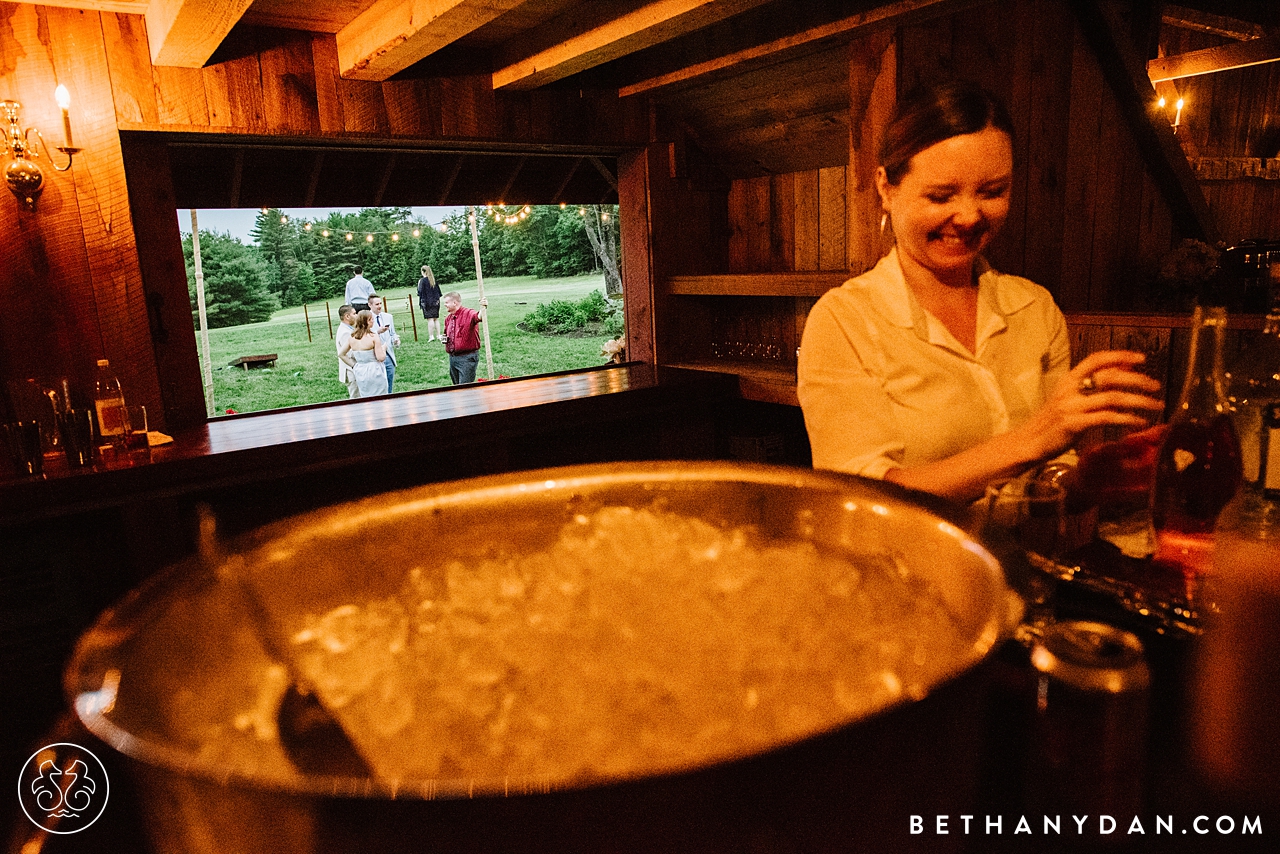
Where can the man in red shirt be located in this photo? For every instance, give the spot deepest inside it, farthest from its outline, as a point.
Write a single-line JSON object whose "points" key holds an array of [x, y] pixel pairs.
{"points": [[460, 339]]}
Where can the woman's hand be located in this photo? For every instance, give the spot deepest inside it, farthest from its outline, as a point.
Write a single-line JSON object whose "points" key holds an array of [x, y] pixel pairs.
{"points": [[1103, 389]]}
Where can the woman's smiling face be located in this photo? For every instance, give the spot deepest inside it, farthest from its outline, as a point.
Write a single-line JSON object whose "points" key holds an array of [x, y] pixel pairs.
{"points": [[952, 201]]}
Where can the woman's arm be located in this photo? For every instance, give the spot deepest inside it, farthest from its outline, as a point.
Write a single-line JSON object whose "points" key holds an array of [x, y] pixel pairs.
{"points": [[1120, 396], [379, 349]]}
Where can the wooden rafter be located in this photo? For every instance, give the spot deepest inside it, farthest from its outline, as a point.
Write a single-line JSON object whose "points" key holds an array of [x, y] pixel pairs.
{"points": [[1204, 22], [573, 46], [384, 180], [453, 177], [511, 180], [732, 62], [573, 170], [316, 169], [185, 33], [1123, 70], [1214, 59], [391, 35]]}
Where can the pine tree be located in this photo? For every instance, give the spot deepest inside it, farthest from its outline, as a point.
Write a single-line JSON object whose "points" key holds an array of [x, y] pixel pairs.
{"points": [[235, 281]]}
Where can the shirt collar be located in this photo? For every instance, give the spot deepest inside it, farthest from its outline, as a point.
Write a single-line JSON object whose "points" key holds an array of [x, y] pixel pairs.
{"points": [[889, 294]]}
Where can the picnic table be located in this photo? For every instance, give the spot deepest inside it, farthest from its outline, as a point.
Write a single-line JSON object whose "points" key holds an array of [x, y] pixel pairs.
{"points": [[264, 361]]}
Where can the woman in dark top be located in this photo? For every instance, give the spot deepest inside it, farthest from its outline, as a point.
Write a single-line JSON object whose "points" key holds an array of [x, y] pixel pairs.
{"points": [[429, 300]]}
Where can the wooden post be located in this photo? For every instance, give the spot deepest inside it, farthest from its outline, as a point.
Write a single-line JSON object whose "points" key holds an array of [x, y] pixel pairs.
{"points": [[408, 301], [204, 320], [307, 318], [328, 317], [484, 314]]}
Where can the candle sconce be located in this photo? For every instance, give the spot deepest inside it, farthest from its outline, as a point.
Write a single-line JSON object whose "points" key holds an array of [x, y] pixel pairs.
{"points": [[22, 173]]}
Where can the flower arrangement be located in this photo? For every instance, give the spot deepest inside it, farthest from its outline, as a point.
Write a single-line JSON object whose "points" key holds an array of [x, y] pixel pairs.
{"points": [[616, 350]]}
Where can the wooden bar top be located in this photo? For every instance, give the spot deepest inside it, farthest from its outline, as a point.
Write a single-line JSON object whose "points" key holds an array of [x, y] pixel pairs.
{"points": [[261, 447]]}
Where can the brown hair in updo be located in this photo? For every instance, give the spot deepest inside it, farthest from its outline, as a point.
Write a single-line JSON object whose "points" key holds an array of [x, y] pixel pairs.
{"points": [[932, 112]]}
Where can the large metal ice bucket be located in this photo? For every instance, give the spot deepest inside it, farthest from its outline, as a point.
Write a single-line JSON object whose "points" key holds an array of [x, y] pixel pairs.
{"points": [[185, 650]]}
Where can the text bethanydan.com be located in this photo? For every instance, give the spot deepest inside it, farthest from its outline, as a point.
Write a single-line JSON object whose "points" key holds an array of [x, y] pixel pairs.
{"points": [[1085, 825]]}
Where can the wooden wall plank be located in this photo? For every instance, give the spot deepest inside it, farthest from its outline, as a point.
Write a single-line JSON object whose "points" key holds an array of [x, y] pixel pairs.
{"points": [[749, 228], [234, 90], [409, 108], [363, 108], [832, 221], [1046, 150], [180, 96], [468, 107], [129, 65], [873, 85], [289, 87], [782, 222], [806, 219], [1107, 252], [324, 61], [101, 200], [1083, 135]]}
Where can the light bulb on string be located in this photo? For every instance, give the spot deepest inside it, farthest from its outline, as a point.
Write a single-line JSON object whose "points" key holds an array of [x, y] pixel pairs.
{"points": [[417, 232], [368, 238], [395, 236], [324, 232], [350, 236], [306, 226]]}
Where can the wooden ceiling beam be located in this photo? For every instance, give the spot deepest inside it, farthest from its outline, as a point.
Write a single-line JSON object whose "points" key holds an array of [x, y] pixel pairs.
{"points": [[185, 33], [1122, 68], [391, 35], [732, 62], [1204, 22], [575, 43], [1215, 59]]}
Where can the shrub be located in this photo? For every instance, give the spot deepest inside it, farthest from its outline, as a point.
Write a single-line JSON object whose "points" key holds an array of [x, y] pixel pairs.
{"points": [[561, 316]]}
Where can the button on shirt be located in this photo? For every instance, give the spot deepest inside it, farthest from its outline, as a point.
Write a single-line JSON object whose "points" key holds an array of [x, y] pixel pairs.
{"points": [[884, 384]]}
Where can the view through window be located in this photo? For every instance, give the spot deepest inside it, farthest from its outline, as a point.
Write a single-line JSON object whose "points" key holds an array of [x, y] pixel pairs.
{"points": [[274, 280]]}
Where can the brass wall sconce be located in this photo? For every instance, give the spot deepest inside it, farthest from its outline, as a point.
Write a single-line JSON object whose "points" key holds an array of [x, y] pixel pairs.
{"points": [[22, 173]]}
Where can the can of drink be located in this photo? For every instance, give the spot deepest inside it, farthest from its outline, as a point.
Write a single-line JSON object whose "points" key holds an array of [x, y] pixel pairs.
{"points": [[1089, 743]]}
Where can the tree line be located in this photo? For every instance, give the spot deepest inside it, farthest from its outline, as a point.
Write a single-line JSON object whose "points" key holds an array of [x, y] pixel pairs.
{"points": [[292, 261]]}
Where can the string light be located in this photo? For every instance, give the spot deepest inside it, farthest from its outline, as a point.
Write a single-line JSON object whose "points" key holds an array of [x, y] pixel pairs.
{"points": [[368, 238]]}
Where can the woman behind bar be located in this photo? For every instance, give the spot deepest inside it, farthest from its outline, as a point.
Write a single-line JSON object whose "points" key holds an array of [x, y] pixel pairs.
{"points": [[932, 370]]}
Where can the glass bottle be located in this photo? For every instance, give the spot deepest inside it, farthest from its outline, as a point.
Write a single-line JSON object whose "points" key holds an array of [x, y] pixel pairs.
{"points": [[1198, 468], [108, 400], [1255, 383], [1237, 681]]}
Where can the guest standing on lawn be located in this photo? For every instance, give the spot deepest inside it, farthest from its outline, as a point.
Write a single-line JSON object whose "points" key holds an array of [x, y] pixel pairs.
{"points": [[460, 339], [429, 299], [385, 328], [358, 289], [346, 375]]}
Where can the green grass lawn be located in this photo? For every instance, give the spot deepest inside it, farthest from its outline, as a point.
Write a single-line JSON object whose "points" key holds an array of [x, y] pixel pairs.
{"points": [[307, 372]]}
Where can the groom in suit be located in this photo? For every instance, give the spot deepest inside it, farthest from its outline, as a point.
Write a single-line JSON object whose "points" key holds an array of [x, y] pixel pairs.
{"points": [[384, 326]]}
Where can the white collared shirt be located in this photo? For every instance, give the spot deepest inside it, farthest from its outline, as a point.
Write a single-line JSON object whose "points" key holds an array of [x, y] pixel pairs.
{"points": [[884, 384]]}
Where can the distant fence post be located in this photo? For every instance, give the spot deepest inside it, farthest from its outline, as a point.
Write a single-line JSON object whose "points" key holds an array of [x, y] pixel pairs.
{"points": [[328, 317], [408, 301], [307, 318]]}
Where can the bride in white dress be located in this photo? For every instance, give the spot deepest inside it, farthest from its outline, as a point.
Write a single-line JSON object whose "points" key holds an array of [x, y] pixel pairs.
{"points": [[364, 353]]}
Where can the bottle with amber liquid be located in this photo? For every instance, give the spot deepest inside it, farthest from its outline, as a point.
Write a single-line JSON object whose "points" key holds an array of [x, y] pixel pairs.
{"points": [[1198, 468]]}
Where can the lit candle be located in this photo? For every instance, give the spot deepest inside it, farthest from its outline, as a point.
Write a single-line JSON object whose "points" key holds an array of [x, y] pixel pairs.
{"points": [[63, 97], [1177, 118]]}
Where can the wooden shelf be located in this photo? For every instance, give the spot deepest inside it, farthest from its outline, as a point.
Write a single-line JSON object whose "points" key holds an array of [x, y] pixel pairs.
{"points": [[811, 284], [756, 381]]}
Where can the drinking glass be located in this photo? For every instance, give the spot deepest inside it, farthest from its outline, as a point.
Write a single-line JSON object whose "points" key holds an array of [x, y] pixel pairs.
{"points": [[75, 427], [137, 447], [1029, 514], [25, 449]]}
